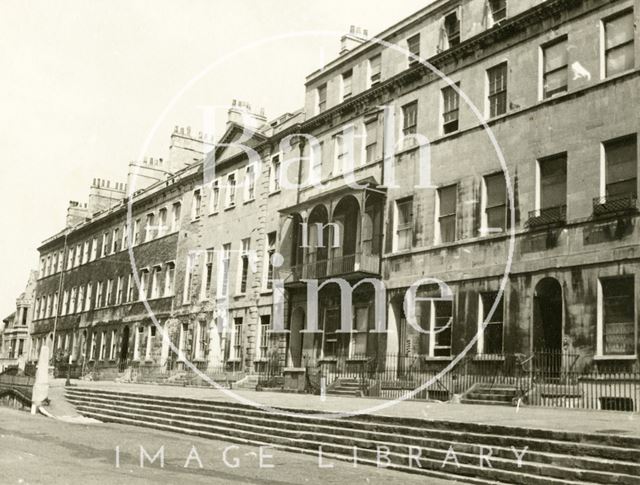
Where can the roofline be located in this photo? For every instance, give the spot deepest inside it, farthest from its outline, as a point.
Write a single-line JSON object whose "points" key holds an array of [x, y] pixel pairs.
{"points": [[384, 35]]}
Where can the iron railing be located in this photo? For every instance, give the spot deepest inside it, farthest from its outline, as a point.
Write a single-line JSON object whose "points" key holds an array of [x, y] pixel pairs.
{"points": [[549, 378], [548, 216], [615, 204], [335, 266]]}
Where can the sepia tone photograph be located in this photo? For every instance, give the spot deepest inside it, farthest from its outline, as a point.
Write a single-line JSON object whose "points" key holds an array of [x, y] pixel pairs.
{"points": [[324, 242]]}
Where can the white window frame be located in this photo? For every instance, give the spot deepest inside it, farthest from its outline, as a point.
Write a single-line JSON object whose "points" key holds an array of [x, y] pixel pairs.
{"points": [[188, 278], [169, 283], [196, 208], [176, 215], [113, 346], [231, 194], [275, 179], [214, 197], [88, 297], [250, 182], [600, 322]]}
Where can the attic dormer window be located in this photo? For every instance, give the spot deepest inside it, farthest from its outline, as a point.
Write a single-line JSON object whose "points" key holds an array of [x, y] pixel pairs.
{"points": [[322, 98], [347, 83], [497, 10], [413, 45], [452, 28]]}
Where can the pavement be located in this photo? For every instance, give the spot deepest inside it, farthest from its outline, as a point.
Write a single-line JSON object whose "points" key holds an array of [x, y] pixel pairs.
{"points": [[38, 450], [554, 419]]}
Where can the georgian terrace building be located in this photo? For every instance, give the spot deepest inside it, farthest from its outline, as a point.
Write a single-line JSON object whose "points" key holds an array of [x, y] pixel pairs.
{"points": [[555, 81], [557, 84], [87, 304]]}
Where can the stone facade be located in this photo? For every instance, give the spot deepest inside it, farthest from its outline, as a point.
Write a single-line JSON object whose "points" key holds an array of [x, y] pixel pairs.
{"points": [[547, 82]]}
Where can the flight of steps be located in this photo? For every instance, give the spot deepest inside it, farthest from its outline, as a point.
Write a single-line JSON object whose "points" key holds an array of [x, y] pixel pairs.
{"points": [[345, 387], [248, 382], [502, 395], [552, 457]]}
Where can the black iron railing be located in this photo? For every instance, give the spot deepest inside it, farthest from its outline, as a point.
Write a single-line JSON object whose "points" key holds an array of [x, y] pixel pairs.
{"points": [[550, 378], [335, 266], [615, 204], [548, 216]]}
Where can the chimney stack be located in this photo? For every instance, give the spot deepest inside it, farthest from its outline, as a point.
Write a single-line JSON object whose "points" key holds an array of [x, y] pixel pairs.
{"points": [[76, 213], [241, 113], [104, 194], [355, 37]]}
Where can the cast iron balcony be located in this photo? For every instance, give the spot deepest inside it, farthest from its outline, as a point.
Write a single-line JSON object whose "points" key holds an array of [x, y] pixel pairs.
{"points": [[615, 204], [548, 217], [365, 264]]}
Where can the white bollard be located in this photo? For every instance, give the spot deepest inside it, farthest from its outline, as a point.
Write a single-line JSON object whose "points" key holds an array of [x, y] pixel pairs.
{"points": [[41, 386]]}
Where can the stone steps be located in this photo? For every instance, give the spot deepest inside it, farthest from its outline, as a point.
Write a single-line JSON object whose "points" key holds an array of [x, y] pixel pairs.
{"points": [[551, 457], [498, 395], [344, 387]]}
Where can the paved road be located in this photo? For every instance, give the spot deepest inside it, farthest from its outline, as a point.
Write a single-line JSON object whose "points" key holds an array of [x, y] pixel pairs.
{"points": [[39, 450]]}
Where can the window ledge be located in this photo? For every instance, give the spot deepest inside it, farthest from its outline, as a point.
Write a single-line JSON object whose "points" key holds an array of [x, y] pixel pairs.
{"points": [[437, 359], [275, 192], [228, 208], [245, 202], [614, 357], [213, 213], [489, 357]]}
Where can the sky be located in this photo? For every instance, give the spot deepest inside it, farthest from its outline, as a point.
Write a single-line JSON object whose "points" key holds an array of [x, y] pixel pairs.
{"points": [[84, 83]]}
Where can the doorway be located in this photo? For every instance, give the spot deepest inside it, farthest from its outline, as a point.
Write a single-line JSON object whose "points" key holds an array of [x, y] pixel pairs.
{"points": [[547, 316], [124, 346], [295, 338]]}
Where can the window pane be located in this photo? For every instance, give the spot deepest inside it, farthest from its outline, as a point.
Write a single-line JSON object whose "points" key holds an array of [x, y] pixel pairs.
{"points": [[553, 183], [448, 200], [619, 30], [404, 212], [556, 82], [555, 56], [448, 229], [620, 59], [497, 217], [621, 169], [496, 189], [618, 316], [414, 46]]}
